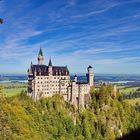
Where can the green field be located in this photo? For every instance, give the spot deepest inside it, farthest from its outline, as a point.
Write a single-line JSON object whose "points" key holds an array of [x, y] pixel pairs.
{"points": [[126, 89], [11, 89]]}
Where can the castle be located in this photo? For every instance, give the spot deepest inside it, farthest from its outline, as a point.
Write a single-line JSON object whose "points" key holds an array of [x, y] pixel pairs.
{"points": [[47, 80]]}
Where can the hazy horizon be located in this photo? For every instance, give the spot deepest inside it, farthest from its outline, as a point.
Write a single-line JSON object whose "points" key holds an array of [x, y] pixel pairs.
{"points": [[80, 74]]}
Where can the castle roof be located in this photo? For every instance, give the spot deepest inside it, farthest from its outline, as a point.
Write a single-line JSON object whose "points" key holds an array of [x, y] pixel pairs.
{"points": [[89, 66], [81, 82], [56, 70]]}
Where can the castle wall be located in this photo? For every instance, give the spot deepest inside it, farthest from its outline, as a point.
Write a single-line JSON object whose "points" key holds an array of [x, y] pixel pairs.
{"points": [[78, 93], [48, 85]]}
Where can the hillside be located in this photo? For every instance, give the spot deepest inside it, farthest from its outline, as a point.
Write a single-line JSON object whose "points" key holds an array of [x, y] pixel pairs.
{"points": [[52, 118]]}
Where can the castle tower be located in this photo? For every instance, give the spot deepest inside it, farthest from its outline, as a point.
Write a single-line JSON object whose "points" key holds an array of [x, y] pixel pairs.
{"points": [[30, 69], [90, 76], [75, 78], [40, 57], [50, 67]]}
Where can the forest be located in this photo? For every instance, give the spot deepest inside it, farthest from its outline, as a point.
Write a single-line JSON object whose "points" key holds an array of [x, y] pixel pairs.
{"points": [[106, 118]]}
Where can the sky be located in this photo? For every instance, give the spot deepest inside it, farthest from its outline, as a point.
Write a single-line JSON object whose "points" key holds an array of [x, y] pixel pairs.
{"points": [[76, 33]]}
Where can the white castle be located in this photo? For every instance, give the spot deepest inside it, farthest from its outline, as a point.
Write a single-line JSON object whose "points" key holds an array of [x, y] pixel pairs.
{"points": [[45, 81]]}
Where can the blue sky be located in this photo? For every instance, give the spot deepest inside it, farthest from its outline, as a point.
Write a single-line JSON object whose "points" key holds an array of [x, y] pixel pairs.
{"points": [[102, 33]]}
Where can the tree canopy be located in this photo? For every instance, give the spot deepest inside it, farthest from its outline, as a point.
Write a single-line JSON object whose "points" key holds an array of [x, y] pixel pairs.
{"points": [[106, 118]]}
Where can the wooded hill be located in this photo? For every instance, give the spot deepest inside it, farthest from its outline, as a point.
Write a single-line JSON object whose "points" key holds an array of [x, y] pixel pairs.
{"points": [[55, 119]]}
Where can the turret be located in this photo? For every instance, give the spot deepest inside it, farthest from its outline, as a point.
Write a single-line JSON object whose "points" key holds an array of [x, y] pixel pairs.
{"points": [[90, 76], [67, 71], [31, 64], [50, 67], [30, 70], [40, 57], [50, 63], [75, 78]]}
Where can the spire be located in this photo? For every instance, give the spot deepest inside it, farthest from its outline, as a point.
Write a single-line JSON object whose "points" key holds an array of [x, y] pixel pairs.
{"points": [[31, 64], [50, 62], [40, 57], [40, 52]]}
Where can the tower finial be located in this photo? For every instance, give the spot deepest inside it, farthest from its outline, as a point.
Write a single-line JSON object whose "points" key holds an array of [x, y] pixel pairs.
{"points": [[50, 62], [40, 57], [40, 52], [31, 63]]}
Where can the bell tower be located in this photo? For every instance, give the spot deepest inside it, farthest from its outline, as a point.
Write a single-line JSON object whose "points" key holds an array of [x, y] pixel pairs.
{"points": [[40, 57]]}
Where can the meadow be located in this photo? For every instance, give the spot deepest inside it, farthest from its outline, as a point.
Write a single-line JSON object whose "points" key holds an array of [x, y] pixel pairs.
{"points": [[125, 89], [11, 89]]}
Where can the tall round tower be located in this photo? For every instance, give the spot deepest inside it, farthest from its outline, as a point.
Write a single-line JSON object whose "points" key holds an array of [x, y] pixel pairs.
{"points": [[75, 78], [40, 57], [90, 76]]}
